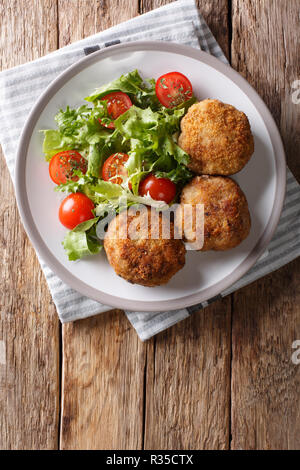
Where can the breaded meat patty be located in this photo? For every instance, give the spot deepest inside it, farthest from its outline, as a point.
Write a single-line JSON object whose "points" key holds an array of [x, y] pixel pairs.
{"points": [[217, 137], [142, 249], [226, 215]]}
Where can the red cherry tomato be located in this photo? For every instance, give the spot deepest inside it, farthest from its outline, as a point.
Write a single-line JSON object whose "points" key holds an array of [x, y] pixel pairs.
{"points": [[160, 189], [117, 103], [75, 209], [173, 88], [63, 164], [113, 168]]}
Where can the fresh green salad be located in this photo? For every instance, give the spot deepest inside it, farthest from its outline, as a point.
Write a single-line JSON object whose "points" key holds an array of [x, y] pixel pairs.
{"points": [[120, 146]]}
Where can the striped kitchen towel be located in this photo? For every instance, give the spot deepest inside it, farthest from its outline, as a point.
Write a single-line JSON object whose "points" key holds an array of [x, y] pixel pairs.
{"points": [[21, 86]]}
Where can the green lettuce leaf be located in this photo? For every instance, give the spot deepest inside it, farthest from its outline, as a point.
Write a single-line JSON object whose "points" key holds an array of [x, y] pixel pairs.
{"points": [[95, 160], [141, 92], [169, 147], [152, 145], [77, 130], [55, 142], [178, 175], [82, 184], [82, 240]]}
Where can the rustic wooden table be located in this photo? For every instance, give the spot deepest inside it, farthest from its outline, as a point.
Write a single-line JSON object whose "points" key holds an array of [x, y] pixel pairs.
{"points": [[223, 379]]}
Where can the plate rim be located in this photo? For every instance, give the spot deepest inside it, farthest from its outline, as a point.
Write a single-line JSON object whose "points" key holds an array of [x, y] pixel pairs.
{"points": [[137, 305]]}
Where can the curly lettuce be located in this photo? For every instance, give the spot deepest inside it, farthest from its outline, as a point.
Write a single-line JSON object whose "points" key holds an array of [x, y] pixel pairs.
{"points": [[141, 92], [82, 240], [147, 132]]}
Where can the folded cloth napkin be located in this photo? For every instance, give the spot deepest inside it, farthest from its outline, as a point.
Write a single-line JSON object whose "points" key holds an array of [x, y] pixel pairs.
{"points": [[21, 86]]}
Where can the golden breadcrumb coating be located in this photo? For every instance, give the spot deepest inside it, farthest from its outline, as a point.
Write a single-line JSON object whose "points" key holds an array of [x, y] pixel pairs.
{"points": [[217, 137], [226, 215], [148, 260]]}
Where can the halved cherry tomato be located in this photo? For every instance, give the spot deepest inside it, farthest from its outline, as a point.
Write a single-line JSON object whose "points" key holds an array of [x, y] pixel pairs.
{"points": [[113, 168], [117, 103], [160, 189], [63, 164], [173, 88], [75, 209]]}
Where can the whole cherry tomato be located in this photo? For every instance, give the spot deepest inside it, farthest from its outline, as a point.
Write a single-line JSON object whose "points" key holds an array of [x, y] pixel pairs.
{"points": [[75, 209], [160, 189]]}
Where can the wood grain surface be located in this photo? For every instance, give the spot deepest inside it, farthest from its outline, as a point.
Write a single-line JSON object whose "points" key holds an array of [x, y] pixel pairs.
{"points": [[103, 380], [29, 328], [188, 383], [222, 378], [266, 315]]}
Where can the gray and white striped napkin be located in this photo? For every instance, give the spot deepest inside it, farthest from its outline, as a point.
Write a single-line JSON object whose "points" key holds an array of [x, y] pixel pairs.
{"points": [[21, 86]]}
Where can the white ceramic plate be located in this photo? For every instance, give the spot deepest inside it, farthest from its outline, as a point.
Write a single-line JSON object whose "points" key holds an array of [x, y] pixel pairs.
{"points": [[205, 275]]}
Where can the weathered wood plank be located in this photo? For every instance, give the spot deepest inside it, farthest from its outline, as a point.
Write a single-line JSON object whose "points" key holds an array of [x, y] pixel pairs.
{"points": [[103, 359], [79, 18], [111, 13], [103, 377], [215, 12], [266, 315], [29, 328], [188, 367], [188, 383], [218, 17]]}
